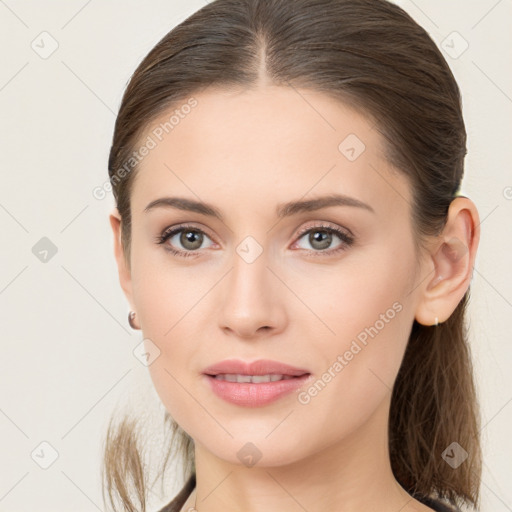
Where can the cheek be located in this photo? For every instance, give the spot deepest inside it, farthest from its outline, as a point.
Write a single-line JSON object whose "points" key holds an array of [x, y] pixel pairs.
{"points": [[174, 377], [360, 362], [367, 315], [166, 293], [171, 303]]}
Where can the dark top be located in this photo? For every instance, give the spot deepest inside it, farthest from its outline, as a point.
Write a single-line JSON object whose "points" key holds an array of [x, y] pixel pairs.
{"points": [[176, 504]]}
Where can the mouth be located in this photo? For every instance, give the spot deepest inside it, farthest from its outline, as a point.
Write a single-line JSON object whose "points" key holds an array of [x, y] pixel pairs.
{"points": [[254, 384]]}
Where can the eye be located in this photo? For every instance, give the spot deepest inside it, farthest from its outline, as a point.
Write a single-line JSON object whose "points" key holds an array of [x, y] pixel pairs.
{"points": [[321, 238], [190, 238]]}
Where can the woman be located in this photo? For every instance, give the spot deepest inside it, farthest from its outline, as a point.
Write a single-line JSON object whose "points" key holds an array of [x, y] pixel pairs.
{"points": [[291, 239]]}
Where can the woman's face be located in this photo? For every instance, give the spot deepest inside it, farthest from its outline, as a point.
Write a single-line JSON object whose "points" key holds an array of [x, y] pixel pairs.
{"points": [[269, 282]]}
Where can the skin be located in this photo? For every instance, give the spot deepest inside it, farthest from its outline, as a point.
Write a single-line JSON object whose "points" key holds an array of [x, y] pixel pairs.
{"points": [[245, 153]]}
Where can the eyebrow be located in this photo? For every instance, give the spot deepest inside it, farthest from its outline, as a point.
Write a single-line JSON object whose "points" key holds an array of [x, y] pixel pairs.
{"points": [[282, 210]]}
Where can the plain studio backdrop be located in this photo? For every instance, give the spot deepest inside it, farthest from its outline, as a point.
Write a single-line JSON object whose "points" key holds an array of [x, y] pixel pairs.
{"points": [[66, 356]]}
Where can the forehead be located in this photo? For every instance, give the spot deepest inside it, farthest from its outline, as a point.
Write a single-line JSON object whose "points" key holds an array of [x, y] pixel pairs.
{"points": [[275, 142], [270, 118]]}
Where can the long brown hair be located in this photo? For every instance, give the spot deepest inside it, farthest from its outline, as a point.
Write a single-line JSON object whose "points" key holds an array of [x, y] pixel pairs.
{"points": [[373, 55]]}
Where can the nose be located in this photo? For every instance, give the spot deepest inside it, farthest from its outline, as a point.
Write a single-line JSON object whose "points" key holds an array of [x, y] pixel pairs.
{"points": [[252, 303]]}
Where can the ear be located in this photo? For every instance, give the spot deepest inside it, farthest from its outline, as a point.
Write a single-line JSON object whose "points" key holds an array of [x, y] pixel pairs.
{"points": [[452, 257], [122, 266]]}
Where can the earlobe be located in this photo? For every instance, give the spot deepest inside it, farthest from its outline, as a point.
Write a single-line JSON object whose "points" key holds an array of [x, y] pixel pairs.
{"points": [[123, 270], [452, 258]]}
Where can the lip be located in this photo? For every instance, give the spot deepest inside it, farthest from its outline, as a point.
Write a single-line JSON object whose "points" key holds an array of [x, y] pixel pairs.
{"points": [[249, 394], [259, 367]]}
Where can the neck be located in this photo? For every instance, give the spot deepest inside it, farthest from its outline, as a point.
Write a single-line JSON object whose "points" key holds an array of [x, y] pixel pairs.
{"points": [[352, 475]]}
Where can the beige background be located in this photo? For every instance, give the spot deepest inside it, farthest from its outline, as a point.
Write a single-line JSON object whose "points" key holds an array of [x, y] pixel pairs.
{"points": [[66, 349]]}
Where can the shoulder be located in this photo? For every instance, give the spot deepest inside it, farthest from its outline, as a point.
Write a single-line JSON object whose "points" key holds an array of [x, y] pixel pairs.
{"points": [[437, 505], [177, 503]]}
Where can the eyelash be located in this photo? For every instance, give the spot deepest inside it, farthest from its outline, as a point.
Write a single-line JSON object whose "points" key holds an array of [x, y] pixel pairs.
{"points": [[346, 239]]}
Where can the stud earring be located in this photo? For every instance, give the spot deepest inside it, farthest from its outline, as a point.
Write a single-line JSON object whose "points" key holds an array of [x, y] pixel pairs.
{"points": [[437, 322], [131, 318]]}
